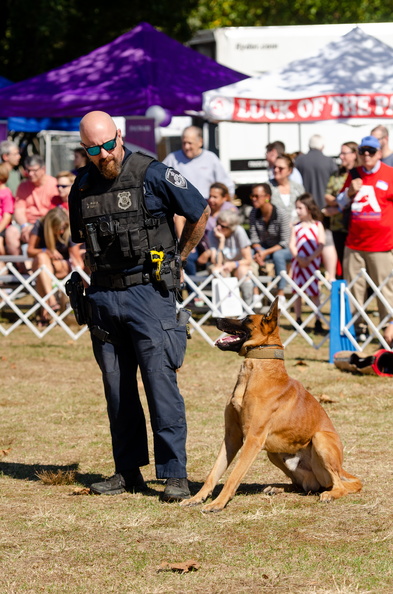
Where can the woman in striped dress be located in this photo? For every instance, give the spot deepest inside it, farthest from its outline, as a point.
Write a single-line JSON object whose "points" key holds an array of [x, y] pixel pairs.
{"points": [[306, 245]]}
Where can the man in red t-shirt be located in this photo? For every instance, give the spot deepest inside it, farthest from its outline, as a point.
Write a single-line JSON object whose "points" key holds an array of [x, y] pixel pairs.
{"points": [[369, 195], [34, 197]]}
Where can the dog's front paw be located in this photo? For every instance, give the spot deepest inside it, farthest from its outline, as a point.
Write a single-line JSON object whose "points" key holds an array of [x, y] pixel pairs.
{"points": [[191, 502], [212, 507]]}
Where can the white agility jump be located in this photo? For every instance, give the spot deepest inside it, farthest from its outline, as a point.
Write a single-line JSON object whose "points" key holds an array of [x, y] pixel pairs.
{"points": [[19, 296]]}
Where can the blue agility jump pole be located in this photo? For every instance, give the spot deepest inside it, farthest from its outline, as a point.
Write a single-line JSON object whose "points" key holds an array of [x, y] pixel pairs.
{"points": [[339, 310]]}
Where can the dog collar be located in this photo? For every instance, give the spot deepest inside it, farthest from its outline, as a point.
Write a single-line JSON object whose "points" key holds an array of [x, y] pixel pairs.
{"points": [[259, 353]]}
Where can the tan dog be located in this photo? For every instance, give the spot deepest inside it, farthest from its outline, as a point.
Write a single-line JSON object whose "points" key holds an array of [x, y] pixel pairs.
{"points": [[270, 411]]}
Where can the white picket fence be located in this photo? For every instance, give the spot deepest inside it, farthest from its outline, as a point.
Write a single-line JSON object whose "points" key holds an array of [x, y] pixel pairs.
{"points": [[20, 298]]}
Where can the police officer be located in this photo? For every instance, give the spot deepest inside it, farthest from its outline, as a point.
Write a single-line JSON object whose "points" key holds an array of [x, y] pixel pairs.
{"points": [[122, 205]]}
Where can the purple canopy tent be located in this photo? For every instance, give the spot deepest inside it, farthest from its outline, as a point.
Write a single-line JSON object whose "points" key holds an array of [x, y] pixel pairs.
{"points": [[37, 124], [141, 68]]}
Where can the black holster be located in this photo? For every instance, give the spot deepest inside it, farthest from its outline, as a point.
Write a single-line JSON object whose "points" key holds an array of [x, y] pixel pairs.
{"points": [[76, 293], [169, 276]]}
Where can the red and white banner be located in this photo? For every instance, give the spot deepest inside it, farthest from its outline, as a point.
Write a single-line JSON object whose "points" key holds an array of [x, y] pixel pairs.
{"points": [[310, 109]]}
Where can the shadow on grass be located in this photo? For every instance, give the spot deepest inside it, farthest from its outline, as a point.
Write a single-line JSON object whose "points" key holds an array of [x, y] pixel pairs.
{"points": [[29, 472], [249, 488]]}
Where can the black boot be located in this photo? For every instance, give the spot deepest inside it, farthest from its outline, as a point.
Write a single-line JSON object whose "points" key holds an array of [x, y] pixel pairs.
{"points": [[176, 490], [131, 481]]}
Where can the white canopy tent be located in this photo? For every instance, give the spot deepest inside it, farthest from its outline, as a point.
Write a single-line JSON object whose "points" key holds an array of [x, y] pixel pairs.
{"points": [[350, 79]]}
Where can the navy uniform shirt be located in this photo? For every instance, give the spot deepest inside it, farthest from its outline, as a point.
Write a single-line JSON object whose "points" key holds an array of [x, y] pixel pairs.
{"points": [[167, 193]]}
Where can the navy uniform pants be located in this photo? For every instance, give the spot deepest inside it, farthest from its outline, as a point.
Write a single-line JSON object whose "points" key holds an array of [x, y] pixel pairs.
{"points": [[141, 322]]}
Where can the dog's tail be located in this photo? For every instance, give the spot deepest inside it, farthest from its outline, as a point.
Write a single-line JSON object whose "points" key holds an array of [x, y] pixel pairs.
{"points": [[351, 483]]}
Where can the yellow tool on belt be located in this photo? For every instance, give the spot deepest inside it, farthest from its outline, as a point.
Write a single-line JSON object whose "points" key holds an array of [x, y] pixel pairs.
{"points": [[157, 259]]}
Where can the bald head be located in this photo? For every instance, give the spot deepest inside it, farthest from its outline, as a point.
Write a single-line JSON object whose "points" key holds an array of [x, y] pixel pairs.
{"points": [[96, 122], [97, 128]]}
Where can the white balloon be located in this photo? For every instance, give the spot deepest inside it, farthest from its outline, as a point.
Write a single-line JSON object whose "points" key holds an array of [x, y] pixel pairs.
{"points": [[156, 112]]}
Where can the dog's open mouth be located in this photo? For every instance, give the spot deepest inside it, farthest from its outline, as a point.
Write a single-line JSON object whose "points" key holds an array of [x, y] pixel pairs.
{"points": [[232, 342]]}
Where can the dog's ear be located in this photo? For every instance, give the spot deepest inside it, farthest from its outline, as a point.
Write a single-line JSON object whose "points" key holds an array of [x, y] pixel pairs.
{"points": [[273, 311]]}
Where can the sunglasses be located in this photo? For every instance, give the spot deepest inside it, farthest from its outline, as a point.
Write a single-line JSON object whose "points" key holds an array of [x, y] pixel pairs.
{"points": [[109, 145], [60, 186], [367, 149], [223, 226], [279, 168]]}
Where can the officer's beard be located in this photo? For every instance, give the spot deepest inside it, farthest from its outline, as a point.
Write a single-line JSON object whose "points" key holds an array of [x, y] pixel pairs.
{"points": [[110, 168]]}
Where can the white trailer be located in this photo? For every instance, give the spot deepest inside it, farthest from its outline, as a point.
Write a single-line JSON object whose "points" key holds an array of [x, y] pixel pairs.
{"points": [[255, 50]]}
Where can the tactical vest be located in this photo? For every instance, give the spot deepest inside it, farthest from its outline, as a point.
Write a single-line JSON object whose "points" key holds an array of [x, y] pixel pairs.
{"points": [[119, 230]]}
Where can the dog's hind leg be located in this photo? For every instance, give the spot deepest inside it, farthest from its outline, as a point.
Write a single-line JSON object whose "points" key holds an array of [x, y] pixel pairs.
{"points": [[297, 468], [230, 446], [327, 458], [250, 450]]}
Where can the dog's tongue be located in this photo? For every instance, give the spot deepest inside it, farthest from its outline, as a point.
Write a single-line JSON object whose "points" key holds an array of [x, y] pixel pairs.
{"points": [[224, 339]]}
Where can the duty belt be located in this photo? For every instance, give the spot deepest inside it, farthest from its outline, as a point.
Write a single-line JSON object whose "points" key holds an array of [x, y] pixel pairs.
{"points": [[120, 281]]}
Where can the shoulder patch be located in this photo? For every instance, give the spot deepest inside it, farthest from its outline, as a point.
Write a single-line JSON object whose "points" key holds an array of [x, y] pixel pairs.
{"points": [[176, 179]]}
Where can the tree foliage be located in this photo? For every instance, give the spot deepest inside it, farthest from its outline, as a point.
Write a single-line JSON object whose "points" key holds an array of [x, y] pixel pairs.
{"points": [[38, 36], [249, 13]]}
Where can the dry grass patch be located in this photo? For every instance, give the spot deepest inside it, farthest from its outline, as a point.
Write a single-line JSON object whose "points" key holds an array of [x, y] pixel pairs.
{"points": [[54, 425], [58, 477]]}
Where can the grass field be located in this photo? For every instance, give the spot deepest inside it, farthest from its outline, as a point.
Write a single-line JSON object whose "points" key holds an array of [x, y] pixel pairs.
{"points": [[54, 430]]}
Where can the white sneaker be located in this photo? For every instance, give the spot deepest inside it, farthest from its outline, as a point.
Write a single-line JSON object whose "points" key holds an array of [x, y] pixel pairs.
{"points": [[282, 302], [257, 301]]}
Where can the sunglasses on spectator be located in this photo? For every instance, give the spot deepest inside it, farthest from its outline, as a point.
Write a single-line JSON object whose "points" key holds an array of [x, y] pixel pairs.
{"points": [[367, 149], [223, 226], [61, 186], [279, 168], [109, 145]]}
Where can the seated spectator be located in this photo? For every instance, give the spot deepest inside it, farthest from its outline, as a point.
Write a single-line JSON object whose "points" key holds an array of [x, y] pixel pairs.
{"points": [[50, 244], [284, 190], [6, 205], [34, 197], [273, 151], [269, 233], [65, 179], [80, 159], [10, 156], [231, 251], [219, 200]]}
